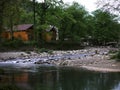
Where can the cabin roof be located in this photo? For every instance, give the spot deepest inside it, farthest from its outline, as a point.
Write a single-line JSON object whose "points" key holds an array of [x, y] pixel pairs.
{"points": [[22, 27], [51, 28]]}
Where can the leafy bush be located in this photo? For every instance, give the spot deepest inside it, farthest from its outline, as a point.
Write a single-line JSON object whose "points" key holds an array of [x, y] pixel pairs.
{"points": [[8, 87], [13, 43], [116, 56], [1, 71], [112, 51], [44, 50], [31, 43], [62, 45]]}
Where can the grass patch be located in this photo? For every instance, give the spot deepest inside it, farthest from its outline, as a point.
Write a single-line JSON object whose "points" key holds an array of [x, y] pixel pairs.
{"points": [[1, 71], [8, 87], [41, 50], [13, 43], [116, 56]]}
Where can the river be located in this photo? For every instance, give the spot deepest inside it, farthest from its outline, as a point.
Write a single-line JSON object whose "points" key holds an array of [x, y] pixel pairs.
{"points": [[44, 77]]}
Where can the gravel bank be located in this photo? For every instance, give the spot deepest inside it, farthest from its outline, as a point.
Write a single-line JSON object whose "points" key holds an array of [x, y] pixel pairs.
{"points": [[94, 59]]}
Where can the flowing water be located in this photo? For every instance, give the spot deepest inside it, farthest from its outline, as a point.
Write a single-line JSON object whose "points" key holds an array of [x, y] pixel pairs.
{"points": [[37, 77]]}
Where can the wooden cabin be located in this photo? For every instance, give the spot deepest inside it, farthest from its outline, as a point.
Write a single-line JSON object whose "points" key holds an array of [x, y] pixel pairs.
{"points": [[23, 32], [50, 34]]}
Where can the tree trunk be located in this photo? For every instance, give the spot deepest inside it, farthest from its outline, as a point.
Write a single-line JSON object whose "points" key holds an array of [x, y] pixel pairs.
{"points": [[1, 17], [34, 27], [11, 28]]}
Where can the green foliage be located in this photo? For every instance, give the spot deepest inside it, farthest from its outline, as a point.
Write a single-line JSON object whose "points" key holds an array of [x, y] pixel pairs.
{"points": [[112, 51], [13, 43], [25, 16], [106, 28], [1, 71], [116, 56], [11, 13], [44, 27], [8, 87], [73, 24], [73, 21], [28, 52], [30, 43], [41, 50]]}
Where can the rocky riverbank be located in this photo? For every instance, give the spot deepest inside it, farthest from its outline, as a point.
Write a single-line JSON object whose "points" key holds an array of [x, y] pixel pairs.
{"points": [[96, 59]]}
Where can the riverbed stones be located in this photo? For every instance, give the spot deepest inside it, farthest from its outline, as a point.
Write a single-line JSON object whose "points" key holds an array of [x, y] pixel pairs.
{"points": [[95, 57], [84, 56]]}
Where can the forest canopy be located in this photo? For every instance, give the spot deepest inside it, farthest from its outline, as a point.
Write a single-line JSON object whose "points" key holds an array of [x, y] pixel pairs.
{"points": [[73, 21]]}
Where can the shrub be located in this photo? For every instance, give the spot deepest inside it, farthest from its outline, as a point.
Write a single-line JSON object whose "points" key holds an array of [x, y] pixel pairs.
{"points": [[31, 43], [116, 56], [1, 71], [8, 87], [44, 50], [13, 43]]}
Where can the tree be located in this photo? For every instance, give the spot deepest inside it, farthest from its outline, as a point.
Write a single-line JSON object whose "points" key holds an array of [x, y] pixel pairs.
{"points": [[74, 22], [109, 5], [46, 9], [11, 14], [2, 6], [47, 13], [106, 27], [34, 12]]}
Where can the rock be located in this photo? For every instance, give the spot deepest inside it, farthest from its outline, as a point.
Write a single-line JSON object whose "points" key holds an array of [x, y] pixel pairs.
{"points": [[17, 61], [64, 63], [42, 62], [38, 62]]}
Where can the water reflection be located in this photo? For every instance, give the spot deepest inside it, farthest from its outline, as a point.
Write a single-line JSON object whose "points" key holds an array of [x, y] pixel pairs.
{"points": [[52, 78], [88, 80], [45, 79]]}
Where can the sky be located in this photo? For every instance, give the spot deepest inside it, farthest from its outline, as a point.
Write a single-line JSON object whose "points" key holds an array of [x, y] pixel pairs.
{"points": [[89, 4]]}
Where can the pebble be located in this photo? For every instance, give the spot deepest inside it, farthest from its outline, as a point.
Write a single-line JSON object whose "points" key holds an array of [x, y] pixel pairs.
{"points": [[87, 54]]}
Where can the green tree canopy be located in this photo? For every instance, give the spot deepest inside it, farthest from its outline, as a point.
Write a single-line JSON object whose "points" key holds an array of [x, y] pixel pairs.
{"points": [[106, 27], [109, 5]]}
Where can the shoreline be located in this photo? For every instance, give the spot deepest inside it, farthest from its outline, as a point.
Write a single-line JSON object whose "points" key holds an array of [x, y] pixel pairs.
{"points": [[97, 59], [98, 69], [103, 67]]}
